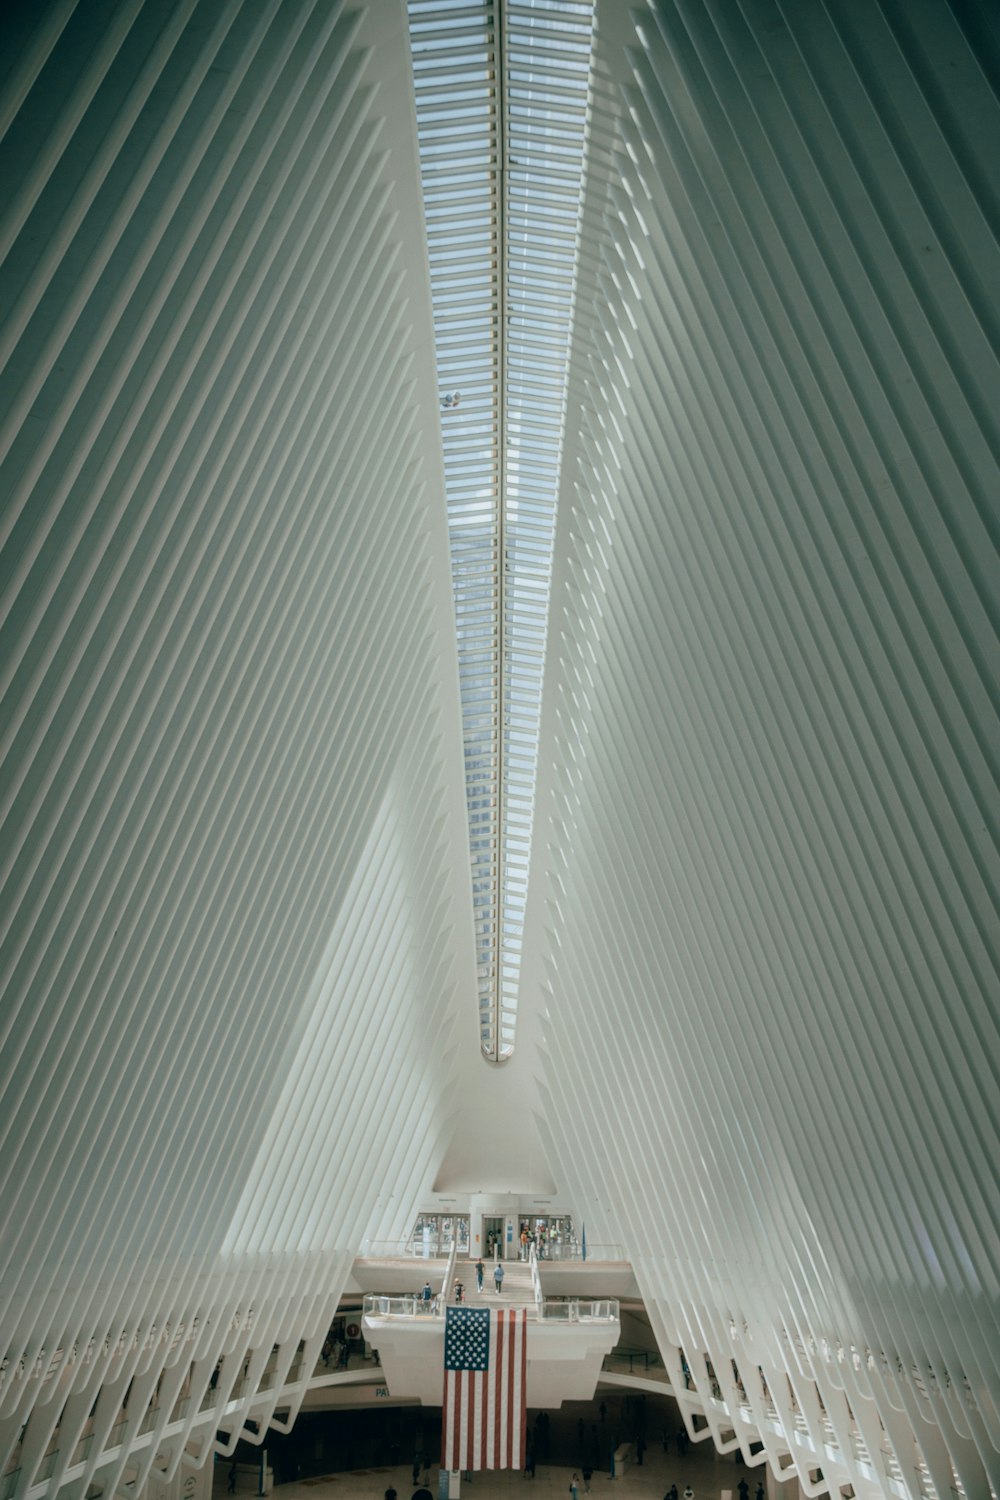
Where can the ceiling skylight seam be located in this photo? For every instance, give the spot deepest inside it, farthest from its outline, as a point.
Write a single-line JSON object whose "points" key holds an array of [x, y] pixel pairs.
{"points": [[501, 332]]}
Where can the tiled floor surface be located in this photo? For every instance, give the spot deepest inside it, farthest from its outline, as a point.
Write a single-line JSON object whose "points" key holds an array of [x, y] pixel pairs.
{"points": [[708, 1477]]}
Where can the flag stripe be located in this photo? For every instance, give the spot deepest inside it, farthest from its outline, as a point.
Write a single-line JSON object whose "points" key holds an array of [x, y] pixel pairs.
{"points": [[494, 1457], [508, 1424], [522, 1429]]}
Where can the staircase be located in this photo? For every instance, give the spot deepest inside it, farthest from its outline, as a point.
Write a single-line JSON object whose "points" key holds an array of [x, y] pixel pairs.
{"points": [[517, 1288]]}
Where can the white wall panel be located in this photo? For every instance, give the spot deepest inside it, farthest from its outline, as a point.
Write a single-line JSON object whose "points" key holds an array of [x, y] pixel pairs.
{"points": [[233, 825], [768, 892]]}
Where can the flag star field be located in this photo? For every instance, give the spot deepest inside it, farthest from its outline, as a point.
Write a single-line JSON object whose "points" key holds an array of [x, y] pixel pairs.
{"points": [[467, 1339]]}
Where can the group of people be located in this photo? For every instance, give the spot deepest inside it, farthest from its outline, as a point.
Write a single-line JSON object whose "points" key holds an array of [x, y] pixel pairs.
{"points": [[336, 1349], [537, 1236], [743, 1490]]}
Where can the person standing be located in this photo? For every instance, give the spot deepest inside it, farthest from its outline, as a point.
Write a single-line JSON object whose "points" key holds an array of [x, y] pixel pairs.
{"points": [[587, 1476], [390, 1493], [426, 1296], [574, 1485], [688, 1491], [498, 1277], [743, 1489], [760, 1491]]}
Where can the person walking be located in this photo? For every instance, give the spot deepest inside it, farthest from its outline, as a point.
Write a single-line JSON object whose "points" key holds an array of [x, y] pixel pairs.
{"points": [[480, 1271], [574, 1485], [498, 1277], [588, 1474]]}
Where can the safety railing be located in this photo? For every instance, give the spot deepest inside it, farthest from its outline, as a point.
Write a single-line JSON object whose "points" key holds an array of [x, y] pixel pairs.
{"points": [[574, 1250], [536, 1280], [376, 1306], [620, 1357], [604, 1310]]}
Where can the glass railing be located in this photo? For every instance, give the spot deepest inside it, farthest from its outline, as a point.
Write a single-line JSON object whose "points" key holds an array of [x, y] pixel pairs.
{"points": [[603, 1310], [401, 1307], [573, 1250], [435, 1247]]}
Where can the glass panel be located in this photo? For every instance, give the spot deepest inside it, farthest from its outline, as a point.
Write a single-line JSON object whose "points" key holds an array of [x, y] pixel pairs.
{"points": [[503, 263]]}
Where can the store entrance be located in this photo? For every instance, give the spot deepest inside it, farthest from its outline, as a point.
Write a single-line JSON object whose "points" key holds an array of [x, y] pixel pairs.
{"points": [[493, 1237]]}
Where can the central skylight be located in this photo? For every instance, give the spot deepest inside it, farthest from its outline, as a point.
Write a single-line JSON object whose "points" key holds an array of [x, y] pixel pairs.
{"points": [[501, 95]]}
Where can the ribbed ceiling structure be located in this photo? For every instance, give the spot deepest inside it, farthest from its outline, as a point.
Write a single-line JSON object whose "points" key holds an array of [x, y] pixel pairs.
{"points": [[757, 1008]]}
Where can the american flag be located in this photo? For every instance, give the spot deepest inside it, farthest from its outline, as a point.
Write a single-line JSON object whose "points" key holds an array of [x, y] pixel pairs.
{"points": [[483, 1416]]}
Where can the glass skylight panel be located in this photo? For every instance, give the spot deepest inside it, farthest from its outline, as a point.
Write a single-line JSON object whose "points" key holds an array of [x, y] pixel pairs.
{"points": [[501, 95]]}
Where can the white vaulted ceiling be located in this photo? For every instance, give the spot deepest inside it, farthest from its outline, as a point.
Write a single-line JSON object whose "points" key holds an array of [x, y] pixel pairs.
{"points": [[247, 971], [769, 788]]}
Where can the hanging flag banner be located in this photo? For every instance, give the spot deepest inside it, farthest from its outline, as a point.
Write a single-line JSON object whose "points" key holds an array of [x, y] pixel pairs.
{"points": [[483, 1414]]}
